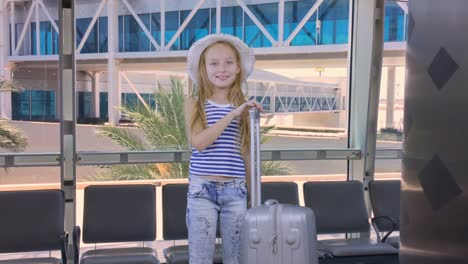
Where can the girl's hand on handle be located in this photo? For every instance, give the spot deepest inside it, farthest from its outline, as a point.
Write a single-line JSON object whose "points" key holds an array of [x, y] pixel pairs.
{"points": [[243, 109]]}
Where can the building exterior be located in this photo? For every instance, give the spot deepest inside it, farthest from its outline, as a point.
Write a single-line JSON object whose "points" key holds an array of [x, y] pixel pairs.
{"points": [[124, 48]]}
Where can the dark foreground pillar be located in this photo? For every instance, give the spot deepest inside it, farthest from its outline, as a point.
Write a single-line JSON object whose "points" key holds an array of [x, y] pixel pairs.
{"points": [[434, 211]]}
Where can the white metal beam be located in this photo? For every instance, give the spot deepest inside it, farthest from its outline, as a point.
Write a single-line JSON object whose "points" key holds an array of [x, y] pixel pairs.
{"points": [[404, 6], [184, 24], [46, 12], [25, 28], [12, 26], [135, 90], [113, 68], [163, 24], [218, 16], [303, 22], [280, 22], [257, 23], [141, 24], [365, 67], [38, 28], [91, 25]]}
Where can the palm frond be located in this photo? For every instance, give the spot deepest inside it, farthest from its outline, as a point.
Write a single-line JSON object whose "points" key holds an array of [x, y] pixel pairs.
{"points": [[9, 86], [275, 168], [122, 137], [11, 138]]}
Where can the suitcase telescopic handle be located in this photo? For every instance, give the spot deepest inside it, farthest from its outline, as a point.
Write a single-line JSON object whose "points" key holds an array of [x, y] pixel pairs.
{"points": [[255, 173]]}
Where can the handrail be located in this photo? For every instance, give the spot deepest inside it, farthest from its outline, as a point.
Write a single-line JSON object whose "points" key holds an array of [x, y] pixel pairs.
{"points": [[87, 158]]}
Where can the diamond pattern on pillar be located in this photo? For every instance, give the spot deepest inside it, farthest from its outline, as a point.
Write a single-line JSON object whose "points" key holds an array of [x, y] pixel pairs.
{"points": [[438, 183], [442, 68]]}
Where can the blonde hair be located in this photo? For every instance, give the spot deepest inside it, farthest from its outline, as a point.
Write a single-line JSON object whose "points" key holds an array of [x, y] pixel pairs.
{"points": [[235, 96]]}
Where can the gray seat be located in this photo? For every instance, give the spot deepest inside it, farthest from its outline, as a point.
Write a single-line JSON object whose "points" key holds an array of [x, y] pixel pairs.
{"points": [[385, 200], [118, 213], [339, 207], [283, 192], [33, 221], [174, 197]]}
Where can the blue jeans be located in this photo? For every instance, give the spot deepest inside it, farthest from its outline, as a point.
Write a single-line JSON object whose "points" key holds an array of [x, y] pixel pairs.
{"points": [[205, 201]]}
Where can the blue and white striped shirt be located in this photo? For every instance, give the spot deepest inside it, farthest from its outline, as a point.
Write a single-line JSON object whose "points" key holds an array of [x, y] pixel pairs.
{"points": [[223, 157]]}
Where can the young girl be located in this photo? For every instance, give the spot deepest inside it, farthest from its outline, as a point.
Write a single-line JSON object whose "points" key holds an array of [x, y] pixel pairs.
{"points": [[217, 124]]}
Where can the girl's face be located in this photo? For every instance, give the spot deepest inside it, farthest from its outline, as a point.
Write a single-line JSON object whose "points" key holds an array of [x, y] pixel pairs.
{"points": [[221, 66]]}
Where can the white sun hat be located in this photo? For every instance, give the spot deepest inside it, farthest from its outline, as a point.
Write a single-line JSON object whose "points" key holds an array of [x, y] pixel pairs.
{"points": [[247, 56]]}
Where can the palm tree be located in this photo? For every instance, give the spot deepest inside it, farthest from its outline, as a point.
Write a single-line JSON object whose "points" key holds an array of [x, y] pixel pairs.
{"points": [[10, 138], [161, 129]]}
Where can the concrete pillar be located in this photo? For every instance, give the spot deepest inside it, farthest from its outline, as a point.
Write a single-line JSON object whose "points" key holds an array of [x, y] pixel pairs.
{"points": [[389, 120], [434, 198], [5, 69], [95, 90], [113, 80]]}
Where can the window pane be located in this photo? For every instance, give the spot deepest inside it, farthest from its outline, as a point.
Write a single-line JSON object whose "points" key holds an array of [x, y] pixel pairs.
{"points": [[294, 13], [91, 44], [134, 36], [198, 27], [103, 34], [267, 14], [172, 25]]}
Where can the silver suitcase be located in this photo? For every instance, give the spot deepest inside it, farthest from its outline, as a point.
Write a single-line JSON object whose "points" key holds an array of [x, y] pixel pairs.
{"points": [[274, 233]]}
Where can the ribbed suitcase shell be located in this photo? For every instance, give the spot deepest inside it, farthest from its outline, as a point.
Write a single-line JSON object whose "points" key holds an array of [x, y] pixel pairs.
{"points": [[279, 234], [275, 233]]}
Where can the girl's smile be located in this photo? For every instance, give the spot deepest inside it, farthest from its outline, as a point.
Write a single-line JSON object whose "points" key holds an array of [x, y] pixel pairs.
{"points": [[221, 66]]}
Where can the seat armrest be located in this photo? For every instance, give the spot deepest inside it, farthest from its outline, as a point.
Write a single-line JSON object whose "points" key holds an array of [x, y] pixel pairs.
{"points": [[76, 244], [376, 228]]}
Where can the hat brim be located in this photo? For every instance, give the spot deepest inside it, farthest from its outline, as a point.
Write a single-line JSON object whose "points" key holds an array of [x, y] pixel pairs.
{"points": [[247, 56]]}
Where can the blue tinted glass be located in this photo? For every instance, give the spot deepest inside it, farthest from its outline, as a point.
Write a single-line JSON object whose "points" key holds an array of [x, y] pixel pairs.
{"points": [[46, 37], [135, 38], [197, 28], [295, 11], [267, 14], [334, 17], [231, 20], [55, 40], [102, 34], [84, 104], [33, 39], [130, 101], [20, 105], [156, 28], [394, 22], [121, 33], [172, 25], [42, 105], [91, 44], [103, 106]]}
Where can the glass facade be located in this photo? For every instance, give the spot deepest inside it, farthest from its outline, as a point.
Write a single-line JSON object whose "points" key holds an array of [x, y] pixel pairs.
{"points": [[48, 38], [33, 105], [130, 100], [329, 25]]}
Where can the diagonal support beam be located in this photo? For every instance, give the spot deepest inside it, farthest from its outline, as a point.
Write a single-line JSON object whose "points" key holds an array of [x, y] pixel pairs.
{"points": [[141, 24], [257, 23], [91, 25], [304, 20], [404, 6], [46, 12], [184, 25], [25, 28], [135, 90]]}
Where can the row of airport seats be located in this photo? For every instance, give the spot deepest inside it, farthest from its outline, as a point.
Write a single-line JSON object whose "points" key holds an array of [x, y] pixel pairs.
{"points": [[33, 220]]}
